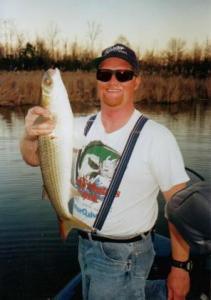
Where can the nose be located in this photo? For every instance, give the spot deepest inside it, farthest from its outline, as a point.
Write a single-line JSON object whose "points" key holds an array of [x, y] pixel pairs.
{"points": [[113, 79]]}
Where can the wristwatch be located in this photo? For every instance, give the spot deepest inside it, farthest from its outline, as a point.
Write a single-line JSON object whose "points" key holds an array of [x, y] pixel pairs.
{"points": [[185, 265]]}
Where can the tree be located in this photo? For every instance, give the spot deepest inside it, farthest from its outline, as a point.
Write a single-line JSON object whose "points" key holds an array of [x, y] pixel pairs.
{"points": [[41, 47], [20, 41], [94, 31], [197, 53], [53, 38], [121, 39], [175, 50], [27, 57], [75, 50], [8, 35], [207, 50]]}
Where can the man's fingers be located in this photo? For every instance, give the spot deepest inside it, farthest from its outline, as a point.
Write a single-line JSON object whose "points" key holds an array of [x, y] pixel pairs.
{"points": [[38, 110], [49, 125], [170, 294], [38, 121], [39, 116], [39, 132], [39, 129]]}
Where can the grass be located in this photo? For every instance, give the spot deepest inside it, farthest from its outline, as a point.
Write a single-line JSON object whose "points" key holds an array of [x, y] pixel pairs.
{"points": [[21, 88]]}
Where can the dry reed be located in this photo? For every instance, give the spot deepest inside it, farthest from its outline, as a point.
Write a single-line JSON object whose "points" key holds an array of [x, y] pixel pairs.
{"points": [[20, 88]]}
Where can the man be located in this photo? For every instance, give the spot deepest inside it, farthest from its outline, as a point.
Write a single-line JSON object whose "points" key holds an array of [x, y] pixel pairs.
{"points": [[116, 261]]}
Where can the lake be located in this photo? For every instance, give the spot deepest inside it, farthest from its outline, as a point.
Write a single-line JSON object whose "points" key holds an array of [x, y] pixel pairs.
{"points": [[34, 262]]}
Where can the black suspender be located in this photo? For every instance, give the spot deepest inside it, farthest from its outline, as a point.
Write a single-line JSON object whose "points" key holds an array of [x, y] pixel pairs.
{"points": [[89, 124], [119, 171]]}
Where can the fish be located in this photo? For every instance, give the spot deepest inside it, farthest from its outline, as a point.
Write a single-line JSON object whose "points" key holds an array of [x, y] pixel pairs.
{"points": [[56, 150]]}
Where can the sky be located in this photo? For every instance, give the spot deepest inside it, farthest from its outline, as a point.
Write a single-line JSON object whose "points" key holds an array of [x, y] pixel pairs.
{"points": [[147, 24]]}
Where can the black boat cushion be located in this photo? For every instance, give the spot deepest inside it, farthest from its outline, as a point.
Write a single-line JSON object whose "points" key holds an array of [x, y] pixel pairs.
{"points": [[190, 211]]}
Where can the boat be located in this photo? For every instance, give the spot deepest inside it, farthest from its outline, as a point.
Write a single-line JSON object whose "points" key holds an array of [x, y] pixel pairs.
{"points": [[156, 284]]}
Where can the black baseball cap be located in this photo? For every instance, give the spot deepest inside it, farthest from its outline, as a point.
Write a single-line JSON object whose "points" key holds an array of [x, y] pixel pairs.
{"points": [[120, 51]]}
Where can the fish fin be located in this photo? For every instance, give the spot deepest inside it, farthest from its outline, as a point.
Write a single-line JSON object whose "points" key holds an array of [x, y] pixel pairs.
{"points": [[78, 224], [65, 226], [45, 194]]}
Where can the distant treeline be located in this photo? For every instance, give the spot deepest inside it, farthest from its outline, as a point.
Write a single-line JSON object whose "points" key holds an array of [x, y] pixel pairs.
{"points": [[29, 58], [171, 62], [175, 60]]}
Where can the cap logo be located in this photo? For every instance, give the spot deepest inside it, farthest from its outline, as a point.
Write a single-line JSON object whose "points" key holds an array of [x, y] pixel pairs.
{"points": [[117, 48], [121, 51]]}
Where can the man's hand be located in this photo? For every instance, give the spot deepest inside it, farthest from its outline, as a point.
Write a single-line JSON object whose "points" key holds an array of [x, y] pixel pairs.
{"points": [[33, 129], [38, 121], [178, 284]]}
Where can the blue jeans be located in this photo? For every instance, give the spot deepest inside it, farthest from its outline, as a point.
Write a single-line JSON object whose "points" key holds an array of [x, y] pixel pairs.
{"points": [[115, 271]]}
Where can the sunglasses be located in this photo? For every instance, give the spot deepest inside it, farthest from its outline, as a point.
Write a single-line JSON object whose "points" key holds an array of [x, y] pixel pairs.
{"points": [[121, 75]]}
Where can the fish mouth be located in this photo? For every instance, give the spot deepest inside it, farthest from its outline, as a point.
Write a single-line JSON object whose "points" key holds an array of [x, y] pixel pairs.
{"points": [[51, 72]]}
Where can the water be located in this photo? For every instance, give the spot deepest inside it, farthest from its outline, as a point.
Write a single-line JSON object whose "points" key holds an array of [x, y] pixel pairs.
{"points": [[34, 262]]}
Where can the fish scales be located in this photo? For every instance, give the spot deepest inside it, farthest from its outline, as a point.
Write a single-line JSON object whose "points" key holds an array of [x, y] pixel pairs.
{"points": [[52, 175]]}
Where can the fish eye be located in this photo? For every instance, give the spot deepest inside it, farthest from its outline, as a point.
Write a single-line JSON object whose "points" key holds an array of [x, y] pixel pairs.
{"points": [[48, 81]]}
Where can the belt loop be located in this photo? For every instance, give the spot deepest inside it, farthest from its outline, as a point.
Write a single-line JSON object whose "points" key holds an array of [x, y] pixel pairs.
{"points": [[90, 236], [144, 236]]}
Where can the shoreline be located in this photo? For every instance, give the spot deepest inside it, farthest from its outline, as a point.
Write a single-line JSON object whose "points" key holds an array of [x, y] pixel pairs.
{"points": [[23, 88]]}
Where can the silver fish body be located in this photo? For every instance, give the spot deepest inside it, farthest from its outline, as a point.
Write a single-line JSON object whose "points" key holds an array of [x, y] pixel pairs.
{"points": [[55, 151]]}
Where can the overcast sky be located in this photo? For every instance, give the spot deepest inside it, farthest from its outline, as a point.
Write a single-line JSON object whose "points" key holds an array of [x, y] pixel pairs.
{"points": [[147, 24]]}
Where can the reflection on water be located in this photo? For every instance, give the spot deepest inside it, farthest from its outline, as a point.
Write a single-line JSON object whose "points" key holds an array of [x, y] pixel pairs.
{"points": [[192, 127], [34, 262]]}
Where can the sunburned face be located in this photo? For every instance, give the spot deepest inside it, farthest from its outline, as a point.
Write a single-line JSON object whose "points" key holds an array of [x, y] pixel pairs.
{"points": [[113, 93]]}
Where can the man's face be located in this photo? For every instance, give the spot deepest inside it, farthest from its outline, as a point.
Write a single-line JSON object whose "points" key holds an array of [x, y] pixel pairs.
{"points": [[115, 94]]}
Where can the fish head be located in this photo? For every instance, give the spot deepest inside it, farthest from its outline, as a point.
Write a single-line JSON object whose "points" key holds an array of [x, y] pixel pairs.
{"points": [[52, 88]]}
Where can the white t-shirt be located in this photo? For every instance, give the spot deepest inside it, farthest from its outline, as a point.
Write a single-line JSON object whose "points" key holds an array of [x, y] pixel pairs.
{"points": [[156, 164]]}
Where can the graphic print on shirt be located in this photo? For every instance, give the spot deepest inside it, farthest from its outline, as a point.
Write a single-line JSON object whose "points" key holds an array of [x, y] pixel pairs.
{"points": [[94, 170]]}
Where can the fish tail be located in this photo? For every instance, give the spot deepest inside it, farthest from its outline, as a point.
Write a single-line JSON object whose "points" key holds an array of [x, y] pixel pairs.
{"points": [[65, 227]]}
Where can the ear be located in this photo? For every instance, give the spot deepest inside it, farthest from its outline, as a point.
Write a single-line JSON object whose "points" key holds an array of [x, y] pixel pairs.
{"points": [[137, 82]]}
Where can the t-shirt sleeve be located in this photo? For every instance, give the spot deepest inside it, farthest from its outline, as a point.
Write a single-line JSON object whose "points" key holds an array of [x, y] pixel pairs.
{"points": [[166, 160]]}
